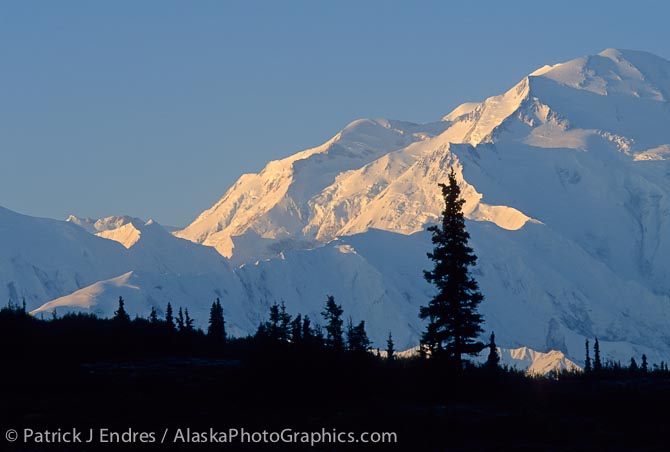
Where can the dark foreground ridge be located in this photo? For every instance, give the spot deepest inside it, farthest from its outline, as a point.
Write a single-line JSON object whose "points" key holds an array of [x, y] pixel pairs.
{"points": [[137, 377]]}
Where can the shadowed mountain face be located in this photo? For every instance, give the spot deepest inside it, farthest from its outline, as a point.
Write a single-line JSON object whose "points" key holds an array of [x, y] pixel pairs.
{"points": [[566, 178]]}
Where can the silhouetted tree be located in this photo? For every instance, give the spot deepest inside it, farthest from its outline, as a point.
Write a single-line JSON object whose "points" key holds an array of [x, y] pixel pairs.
{"points": [[120, 314], [284, 323], [153, 317], [216, 330], [633, 366], [272, 326], [390, 348], [645, 365], [180, 320], [493, 360], [332, 314], [454, 322], [357, 338], [307, 333], [349, 332], [169, 319], [188, 322], [317, 333], [296, 329], [587, 361], [597, 363], [312, 337]]}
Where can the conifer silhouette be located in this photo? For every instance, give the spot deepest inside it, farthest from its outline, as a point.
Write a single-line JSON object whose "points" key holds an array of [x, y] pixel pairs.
{"points": [[454, 322], [597, 363], [153, 316], [390, 348], [169, 319], [332, 314], [216, 330], [493, 359], [120, 314], [357, 338]]}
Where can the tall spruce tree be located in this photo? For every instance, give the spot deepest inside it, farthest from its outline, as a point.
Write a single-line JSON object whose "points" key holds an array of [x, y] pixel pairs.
{"points": [[645, 365], [454, 322], [216, 330], [587, 361], [120, 314], [332, 314]]}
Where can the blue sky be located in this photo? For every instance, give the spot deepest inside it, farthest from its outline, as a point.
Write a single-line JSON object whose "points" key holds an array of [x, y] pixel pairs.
{"points": [[154, 108]]}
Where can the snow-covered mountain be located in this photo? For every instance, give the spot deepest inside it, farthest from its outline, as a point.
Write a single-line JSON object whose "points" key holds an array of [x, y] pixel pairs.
{"points": [[567, 183], [523, 359]]}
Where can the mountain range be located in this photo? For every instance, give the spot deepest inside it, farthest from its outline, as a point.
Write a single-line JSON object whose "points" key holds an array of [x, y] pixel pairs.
{"points": [[566, 178]]}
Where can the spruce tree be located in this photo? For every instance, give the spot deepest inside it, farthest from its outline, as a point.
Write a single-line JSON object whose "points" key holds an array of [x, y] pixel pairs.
{"points": [[312, 337], [307, 333], [169, 320], [272, 326], [332, 314], [216, 330], [284, 323], [120, 314], [454, 322], [390, 348], [597, 363], [357, 338], [180, 320], [296, 329], [188, 321], [350, 333], [153, 317], [645, 366], [587, 361], [633, 366], [317, 335], [493, 360]]}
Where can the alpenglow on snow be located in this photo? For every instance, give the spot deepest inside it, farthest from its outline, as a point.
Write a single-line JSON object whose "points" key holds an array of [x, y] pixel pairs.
{"points": [[566, 181]]}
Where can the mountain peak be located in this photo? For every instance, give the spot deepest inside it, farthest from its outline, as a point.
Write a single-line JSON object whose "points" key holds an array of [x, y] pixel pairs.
{"points": [[96, 225], [614, 72]]}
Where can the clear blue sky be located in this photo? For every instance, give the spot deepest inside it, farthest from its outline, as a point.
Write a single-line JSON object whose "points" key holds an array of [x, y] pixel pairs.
{"points": [[154, 108]]}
